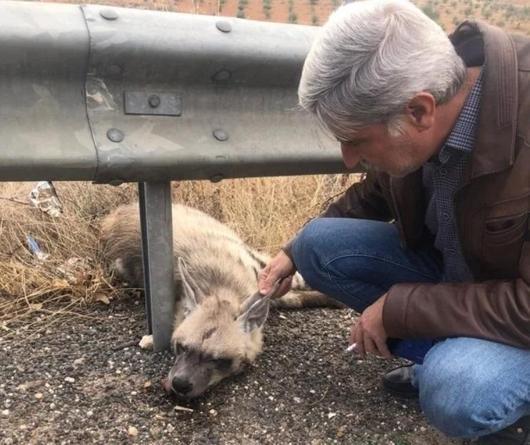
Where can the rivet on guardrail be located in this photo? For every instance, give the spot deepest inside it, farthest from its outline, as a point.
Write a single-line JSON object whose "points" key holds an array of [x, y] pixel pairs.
{"points": [[108, 14], [220, 135], [217, 178], [115, 135], [223, 26], [222, 75], [154, 101]]}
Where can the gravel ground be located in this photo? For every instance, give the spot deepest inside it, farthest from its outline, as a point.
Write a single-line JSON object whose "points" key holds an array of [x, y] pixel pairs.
{"points": [[85, 380]]}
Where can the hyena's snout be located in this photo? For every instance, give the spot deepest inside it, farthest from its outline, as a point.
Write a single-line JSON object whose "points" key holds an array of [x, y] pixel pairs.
{"points": [[181, 386], [188, 378]]}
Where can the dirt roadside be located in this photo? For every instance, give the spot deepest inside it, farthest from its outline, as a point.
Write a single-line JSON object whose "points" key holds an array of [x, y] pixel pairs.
{"points": [[84, 380]]}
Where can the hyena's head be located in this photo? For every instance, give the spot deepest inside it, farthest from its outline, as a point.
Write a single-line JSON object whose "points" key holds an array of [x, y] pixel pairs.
{"points": [[217, 337]]}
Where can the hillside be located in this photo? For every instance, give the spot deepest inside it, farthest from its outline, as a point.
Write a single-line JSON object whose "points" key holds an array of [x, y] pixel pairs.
{"points": [[513, 15]]}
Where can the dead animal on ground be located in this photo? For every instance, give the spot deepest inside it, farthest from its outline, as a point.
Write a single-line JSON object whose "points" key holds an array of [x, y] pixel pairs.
{"points": [[218, 314]]}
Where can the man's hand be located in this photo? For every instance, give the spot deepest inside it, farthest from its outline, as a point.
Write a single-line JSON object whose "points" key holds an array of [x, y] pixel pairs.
{"points": [[279, 268], [368, 333]]}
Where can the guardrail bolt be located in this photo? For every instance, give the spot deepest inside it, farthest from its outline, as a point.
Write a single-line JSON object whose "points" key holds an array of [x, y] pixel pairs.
{"points": [[220, 135], [108, 14], [217, 178], [115, 135], [154, 101], [223, 26]]}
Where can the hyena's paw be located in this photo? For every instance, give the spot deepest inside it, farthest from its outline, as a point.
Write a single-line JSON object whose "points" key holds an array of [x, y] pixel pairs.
{"points": [[299, 283], [146, 342]]}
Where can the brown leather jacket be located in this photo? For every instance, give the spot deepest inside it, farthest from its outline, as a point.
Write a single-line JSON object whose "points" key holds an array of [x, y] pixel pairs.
{"points": [[492, 211]]}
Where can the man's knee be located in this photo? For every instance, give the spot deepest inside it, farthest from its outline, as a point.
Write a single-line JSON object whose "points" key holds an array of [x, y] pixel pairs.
{"points": [[310, 248], [458, 400]]}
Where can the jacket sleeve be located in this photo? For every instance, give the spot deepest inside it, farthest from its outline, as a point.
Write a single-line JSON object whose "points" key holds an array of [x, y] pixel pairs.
{"points": [[364, 199], [492, 310]]}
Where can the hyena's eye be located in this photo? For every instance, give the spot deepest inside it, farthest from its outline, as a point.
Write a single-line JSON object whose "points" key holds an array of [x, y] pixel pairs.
{"points": [[223, 364], [179, 349]]}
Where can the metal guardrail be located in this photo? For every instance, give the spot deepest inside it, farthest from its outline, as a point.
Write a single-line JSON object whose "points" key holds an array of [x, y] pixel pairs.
{"points": [[117, 95]]}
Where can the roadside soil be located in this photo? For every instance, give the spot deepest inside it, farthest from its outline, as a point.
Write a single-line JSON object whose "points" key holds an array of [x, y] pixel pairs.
{"points": [[85, 380]]}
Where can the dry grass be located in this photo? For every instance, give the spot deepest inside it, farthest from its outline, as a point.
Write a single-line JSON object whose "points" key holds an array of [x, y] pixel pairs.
{"points": [[265, 211]]}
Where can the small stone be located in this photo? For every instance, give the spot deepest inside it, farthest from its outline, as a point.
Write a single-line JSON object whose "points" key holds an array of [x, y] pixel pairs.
{"points": [[147, 384], [5, 412], [90, 413], [213, 412], [331, 415], [79, 361], [133, 393], [39, 395], [297, 400], [69, 379], [132, 431], [170, 428]]}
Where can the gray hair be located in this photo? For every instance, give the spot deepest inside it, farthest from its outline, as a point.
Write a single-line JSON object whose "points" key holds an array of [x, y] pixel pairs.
{"points": [[370, 59]]}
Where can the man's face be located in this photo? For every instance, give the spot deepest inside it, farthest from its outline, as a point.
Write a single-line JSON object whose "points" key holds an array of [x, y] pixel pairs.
{"points": [[399, 155]]}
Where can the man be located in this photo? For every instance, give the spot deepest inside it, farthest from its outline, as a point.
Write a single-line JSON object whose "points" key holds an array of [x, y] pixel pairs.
{"points": [[433, 246]]}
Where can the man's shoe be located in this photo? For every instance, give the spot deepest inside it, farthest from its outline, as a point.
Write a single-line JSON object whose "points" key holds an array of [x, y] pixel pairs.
{"points": [[399, 382], [516, 434]]}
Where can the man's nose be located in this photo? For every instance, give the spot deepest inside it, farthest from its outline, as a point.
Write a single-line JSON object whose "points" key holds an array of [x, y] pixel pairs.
{"points": [[349, 155]]}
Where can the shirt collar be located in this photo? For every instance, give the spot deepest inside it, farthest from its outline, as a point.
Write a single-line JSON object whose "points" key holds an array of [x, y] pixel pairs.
{"points": [[463, 135]]}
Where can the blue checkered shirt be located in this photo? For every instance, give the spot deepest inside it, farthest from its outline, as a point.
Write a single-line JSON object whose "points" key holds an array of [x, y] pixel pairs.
{"points": [[442, 176]]}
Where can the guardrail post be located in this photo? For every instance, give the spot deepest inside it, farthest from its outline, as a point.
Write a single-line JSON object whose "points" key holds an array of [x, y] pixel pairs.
{"points": [[157, 250]]}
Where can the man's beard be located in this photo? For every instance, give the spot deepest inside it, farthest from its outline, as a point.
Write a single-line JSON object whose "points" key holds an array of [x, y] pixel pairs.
{"points": [[402, 172], [367, 166]]}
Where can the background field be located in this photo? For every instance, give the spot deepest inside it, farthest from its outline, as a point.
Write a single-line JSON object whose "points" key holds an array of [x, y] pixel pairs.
{"points": [[513, 15]]}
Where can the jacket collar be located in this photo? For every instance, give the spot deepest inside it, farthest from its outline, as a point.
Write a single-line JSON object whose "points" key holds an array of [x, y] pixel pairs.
{"points": [[494, 149]]}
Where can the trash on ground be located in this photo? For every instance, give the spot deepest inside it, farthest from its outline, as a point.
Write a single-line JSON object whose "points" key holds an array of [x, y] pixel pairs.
{"points": [[35, 249], [44, 197]]}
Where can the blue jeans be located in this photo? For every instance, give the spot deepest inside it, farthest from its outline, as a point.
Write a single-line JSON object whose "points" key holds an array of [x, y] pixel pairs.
{"points": [[467, 387]]}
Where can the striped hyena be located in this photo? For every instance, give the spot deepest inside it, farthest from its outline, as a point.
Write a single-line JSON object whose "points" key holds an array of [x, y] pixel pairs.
{"points": [[219, 315]]}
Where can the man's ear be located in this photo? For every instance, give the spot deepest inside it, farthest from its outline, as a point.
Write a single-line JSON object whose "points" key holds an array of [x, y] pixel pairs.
{"points": [[420, 110]]}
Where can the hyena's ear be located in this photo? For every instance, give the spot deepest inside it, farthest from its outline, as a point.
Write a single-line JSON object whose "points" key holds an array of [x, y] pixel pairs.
{"points": [[254, 311], [191, 293]]}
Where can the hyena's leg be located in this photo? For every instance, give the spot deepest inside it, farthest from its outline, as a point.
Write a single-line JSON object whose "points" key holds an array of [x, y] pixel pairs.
{"points": [[301, 295], [307, 298]]}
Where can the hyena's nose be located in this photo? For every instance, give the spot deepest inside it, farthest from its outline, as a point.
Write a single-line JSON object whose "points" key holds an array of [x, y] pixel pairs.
{"points": [[181, 386]]}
